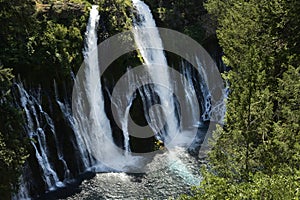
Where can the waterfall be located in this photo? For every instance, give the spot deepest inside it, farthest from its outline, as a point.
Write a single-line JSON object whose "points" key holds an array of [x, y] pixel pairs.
{"points": [[66, 111], [157, 66], [152, 58], [37, 121], [189, 93], [23, 192], [93, 131], [90, 125], [90, 120]]}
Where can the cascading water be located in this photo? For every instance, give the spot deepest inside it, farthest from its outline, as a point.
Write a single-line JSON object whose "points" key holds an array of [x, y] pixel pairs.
{"points": [[157, 65], [189, 93], [153, 58], [170, 172], [215, 113], [23, 192], [90, 120], [35, 116], [125, 101], [93, 131]]}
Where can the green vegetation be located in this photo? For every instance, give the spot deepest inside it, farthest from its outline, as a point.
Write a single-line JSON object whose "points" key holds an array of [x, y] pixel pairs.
{"points": [[13, 151], [256, 155], [187, 17], [116, 16], [42, 40]]}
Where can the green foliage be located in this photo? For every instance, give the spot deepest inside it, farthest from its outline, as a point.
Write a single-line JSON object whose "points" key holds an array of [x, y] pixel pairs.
{"points": [[58, 48], [42, 39], [16, 24], [256, 155], [5, 74], [159, 145], [259, 186], [12, 146], [45, 38], [116, 16]]}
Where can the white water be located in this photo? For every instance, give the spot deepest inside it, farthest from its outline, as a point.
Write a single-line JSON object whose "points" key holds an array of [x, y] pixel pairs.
{"points": [[158, 70], [91, 121], [23, 193], [93, 129], [66, 110], [153, 58], [125, 101], [215, 113], [190, 92], [37, 120]]}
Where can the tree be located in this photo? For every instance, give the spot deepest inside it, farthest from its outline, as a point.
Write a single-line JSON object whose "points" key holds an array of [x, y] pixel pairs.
{"points": [[256, 155], [17, 24]]}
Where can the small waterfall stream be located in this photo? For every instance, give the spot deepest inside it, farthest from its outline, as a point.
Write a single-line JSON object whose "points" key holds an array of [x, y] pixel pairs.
{"points": [[36, 132]]}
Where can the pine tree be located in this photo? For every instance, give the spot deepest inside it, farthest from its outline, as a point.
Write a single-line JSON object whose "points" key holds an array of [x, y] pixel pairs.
{"points": [[256, 155]]}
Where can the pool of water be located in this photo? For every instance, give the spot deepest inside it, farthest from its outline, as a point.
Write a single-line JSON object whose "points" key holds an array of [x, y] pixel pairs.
{"points": [[170, 174]]}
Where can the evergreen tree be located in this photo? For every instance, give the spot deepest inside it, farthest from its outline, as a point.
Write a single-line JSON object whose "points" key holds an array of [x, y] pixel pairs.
{"points": [[256, 155]]}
